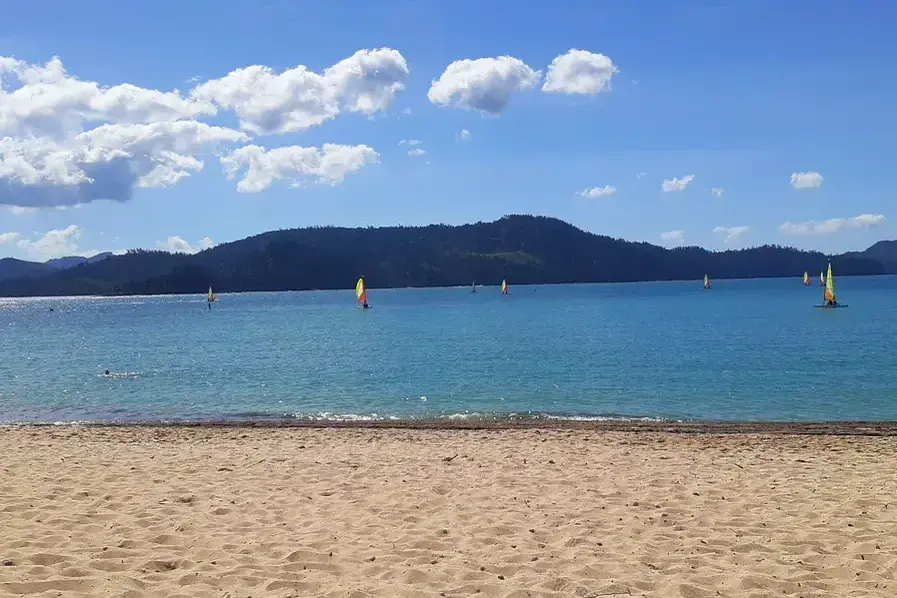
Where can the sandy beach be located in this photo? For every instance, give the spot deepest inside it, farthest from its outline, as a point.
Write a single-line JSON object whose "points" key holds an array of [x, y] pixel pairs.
{"points": [[250, 512]]}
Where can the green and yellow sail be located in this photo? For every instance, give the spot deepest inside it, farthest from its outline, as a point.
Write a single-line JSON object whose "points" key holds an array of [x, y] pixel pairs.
{"points": [[211, 295], [829, 285]]}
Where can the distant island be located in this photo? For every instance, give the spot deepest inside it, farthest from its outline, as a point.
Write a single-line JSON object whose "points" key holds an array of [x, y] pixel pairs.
{"points": [[522, 249]]}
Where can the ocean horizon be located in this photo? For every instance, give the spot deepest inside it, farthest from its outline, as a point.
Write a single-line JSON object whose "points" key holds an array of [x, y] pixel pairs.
{"points": [[745, 351]]}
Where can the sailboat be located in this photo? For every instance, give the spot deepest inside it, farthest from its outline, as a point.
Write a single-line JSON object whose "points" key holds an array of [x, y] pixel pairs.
{"points": [[828, 295], [473, 288], [211, 297], [361, 294], [706, 282], [504, 287], [821, 279], [806, 279]]}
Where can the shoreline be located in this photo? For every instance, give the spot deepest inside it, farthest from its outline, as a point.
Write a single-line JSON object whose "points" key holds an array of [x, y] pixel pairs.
{"points": [[833, 428]]}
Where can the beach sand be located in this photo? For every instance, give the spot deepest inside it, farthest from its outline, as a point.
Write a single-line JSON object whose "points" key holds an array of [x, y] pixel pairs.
{"points": [[240, 512]]}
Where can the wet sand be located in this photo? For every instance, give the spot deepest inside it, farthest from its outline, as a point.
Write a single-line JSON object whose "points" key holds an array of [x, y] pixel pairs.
{"points": [[520, 511]]}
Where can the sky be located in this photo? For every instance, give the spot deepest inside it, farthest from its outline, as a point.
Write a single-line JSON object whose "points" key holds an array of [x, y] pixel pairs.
{"points": [[182, 125]]}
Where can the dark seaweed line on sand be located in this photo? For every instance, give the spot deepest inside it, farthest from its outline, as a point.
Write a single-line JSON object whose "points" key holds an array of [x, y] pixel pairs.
{"points": [[843, 428]]}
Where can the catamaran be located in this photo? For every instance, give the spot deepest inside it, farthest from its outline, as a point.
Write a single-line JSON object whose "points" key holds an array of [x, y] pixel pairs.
{"points": [[361, 294], [828, 295], [821, 279], [211, 297], [706, 282], [806, 279], [504, 287]]}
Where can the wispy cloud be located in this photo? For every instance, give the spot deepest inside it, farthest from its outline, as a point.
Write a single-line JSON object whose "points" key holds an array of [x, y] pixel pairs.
{"points": [[718, 191], [673, 237], [832, 225], [731, 234], [464, 134], [593, 192], [176, 244], [411, 142], [416, 152]]}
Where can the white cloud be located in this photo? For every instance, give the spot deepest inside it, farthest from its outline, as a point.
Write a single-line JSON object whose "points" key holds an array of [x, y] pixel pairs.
{"points": [[832, 225], [580, 72], [64, 141], [464, 134], [176, 244], [8, 237], [673, 237], [731, 234], [484, 84], [326, 165], [19, 210], [56, 243], [806, 180], [417, 152], [718, 191], [298, 98], [593, 192], [675, 184], [409, 142], [641, 175]]}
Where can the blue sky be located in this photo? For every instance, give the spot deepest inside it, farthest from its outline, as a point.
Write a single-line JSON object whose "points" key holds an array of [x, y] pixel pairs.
{"points": [[742, 95]]}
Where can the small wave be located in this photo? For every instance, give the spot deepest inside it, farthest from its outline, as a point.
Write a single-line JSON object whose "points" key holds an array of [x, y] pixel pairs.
{"points": [[121, 375]]}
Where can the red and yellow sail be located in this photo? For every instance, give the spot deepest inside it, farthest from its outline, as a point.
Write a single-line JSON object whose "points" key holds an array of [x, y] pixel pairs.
{"points": [[806, 279], [361, 293], [504, 287], [211, 295]]}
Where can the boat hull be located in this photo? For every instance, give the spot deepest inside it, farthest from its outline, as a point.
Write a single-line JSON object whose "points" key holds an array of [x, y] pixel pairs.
{"points": [[839, 306]]}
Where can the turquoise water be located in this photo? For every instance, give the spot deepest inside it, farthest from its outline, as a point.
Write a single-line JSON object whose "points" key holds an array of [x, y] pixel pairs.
{"points": [[745, 350]]}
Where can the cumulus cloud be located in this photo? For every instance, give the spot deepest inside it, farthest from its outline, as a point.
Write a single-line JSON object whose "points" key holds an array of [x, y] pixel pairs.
{"points": [[580, 72], [832, 225], [328, 164], [731, 234], [464, 134], [593, 192], [806, 180], [718, 191], [8, 237], [298, 98], [675, 184], [673, 237], [55, 243], [64, 141], [484, 84], [416, 152], [176, 244]]}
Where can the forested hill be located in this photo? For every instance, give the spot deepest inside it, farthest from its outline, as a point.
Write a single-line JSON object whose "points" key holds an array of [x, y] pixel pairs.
{"points": [[522, 249]]}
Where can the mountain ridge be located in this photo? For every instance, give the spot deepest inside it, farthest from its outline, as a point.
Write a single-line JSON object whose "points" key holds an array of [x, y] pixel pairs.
{"points": [[524, 249]]}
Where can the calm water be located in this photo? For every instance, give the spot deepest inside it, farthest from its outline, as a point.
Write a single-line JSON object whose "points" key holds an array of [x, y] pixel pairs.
{"points": [[746, 350]]}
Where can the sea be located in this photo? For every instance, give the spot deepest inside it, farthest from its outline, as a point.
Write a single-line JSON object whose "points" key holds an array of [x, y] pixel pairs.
{"points": [[745, 350]]}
